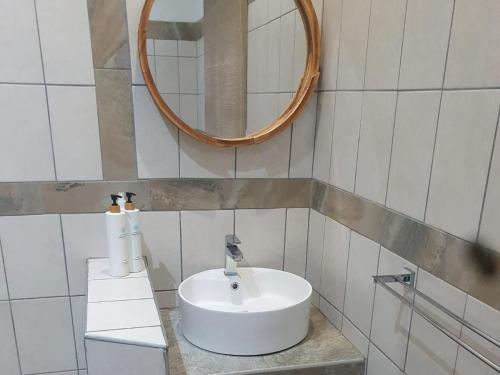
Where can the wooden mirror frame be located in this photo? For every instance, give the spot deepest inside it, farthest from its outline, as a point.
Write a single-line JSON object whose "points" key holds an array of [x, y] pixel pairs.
{"points": [[296, 106]]}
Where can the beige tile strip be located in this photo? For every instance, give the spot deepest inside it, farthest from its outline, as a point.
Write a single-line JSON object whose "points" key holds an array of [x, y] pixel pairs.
{"points": [[110, 51], [33, 198], [175, 30], [449, 258]]}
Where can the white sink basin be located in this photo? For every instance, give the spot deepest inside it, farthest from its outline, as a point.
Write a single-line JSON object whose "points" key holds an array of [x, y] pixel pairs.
{"points": [[268, 312]]}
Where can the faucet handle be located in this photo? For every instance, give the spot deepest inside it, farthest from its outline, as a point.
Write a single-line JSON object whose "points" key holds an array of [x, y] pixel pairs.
{"points": [[232, 240]]}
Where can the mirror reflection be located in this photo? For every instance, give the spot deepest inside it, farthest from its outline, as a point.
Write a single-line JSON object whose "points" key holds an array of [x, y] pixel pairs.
{"points": [[226, 67]]}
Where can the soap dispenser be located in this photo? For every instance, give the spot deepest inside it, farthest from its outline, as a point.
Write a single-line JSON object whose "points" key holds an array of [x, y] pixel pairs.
{"points": [[136, 263], [116, 226]]}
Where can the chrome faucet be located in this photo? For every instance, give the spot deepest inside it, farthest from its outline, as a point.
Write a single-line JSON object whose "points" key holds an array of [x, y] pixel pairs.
{"points": [[233, 255]]}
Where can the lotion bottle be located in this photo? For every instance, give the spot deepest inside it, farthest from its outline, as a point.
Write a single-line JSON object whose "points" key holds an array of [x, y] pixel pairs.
{"points": [[116, 231], [136, 262]]}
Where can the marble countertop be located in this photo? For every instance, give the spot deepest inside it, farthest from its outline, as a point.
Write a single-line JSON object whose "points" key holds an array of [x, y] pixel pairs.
{"points": [[325, 351]]}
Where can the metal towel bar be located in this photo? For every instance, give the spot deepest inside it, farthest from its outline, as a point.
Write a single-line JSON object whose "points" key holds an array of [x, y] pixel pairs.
{"points": [[407, 280]]}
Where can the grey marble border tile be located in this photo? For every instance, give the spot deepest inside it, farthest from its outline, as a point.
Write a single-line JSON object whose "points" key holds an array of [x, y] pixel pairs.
{"points": [[33, 198], [175, 30], [116, 123], [451, 259], [216, 194]]}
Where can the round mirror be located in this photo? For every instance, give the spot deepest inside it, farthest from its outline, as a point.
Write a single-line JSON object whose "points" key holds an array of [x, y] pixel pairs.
{"points": [[229, 72]]}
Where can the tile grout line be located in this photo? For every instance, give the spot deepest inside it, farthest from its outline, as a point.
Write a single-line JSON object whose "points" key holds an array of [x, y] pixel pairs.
{"points": [[10, 307], [46, 91], [397, 102], [492, 154], [67, 282], [424, 219], [346, 269], [336, 86]]}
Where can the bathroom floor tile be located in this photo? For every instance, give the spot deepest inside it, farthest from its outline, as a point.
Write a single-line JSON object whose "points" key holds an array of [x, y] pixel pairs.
{"points": [[119, 289], [121, 314]]}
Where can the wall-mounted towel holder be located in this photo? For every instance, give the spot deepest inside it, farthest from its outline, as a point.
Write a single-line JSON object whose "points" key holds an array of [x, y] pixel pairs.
{"points": [[408, 281]]}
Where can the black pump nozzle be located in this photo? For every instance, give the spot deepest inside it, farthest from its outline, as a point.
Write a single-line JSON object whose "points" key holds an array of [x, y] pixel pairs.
{"points": [[129, 196], [114, 198]]}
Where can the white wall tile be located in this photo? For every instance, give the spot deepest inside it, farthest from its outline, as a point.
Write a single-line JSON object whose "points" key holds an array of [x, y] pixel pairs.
{"points": [[107, 358], [384, 44], [75, 132], [332, 314], [79, 311], [4, 295], [204, 239], [448, 296], [199, 160], [324, 131], [188, 108], [302, 152], [355, 336], [20, 60], [165, 47], [345, 139], [258, 12], [334, 264], [262, 235], [8, 350], [44, 334], [187, 75], [187, 48], [375, 142], [425, 43], [156, 140], [391, 318], [84, 237], [353, 44], [65, 40], [330, 41], [413, 145], [485, 318], [299, 50], [379, 364], [161, 244], [461, 160], [271, 158], [167, 74], [472, 62], [33, 255], [315, 248], [296, 240], [25, 119], [363, 261], [259, 58], [429, 351], [469, 364], [134, 8], [273, 35], [286, 52]]}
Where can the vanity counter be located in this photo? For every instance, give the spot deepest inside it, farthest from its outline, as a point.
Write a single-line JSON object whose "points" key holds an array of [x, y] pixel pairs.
{"points": [[324, 351]]}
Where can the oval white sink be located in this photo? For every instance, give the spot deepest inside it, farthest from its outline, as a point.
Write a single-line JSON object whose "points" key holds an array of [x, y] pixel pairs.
{"points": [[268, 312]]}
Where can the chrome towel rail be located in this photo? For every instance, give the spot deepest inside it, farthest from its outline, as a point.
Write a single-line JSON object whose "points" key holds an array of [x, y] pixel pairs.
{"points": [[407, 280]]}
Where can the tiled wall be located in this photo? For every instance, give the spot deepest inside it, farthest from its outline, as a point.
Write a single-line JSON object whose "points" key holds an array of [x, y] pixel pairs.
{"points": [[408, 112], [340, 263], [68, 93]]}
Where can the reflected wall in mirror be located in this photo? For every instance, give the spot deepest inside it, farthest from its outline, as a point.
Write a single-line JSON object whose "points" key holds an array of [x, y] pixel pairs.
{"points": [[229, 72]]}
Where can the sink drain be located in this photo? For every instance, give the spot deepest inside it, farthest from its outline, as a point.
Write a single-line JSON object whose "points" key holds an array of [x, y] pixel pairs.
{"points": [[235, 286]]}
